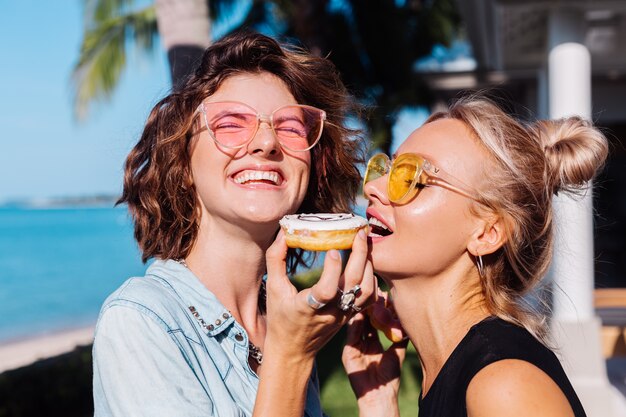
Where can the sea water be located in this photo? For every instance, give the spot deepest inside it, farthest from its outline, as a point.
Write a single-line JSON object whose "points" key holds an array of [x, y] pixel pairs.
{"points": [[57, 266]]}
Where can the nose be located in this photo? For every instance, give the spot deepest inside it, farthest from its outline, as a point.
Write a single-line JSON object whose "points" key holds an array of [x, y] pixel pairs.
{"points": [[377, 190], [264, 141]]}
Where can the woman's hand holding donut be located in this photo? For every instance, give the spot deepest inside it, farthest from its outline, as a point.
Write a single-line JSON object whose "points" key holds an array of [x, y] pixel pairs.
{"points": [[299, 324], [303, 322]]}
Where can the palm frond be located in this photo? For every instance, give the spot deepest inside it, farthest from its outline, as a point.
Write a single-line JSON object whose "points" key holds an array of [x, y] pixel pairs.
{"points": [[103, 55], [97, 11]]}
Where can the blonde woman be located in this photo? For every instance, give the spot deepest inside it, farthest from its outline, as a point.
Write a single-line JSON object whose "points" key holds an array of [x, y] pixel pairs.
{"points": [[462, 230]]}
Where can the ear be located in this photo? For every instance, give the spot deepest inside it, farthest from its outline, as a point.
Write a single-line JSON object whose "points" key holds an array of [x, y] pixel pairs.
{"points": [[489, 236]]}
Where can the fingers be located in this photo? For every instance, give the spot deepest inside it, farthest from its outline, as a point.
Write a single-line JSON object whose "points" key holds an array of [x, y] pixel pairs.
{"points": [[276, 263], [369, 287], [383, 319], [326, 287], [354, 349], [355, 329], [353, 273], [358, 271]]}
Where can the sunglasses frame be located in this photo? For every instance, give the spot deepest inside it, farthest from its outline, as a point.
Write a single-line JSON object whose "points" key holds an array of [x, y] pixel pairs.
{"points": [[425, 174], [262, 118]]}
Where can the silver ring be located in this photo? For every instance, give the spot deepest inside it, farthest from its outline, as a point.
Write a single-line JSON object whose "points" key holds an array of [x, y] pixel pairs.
{"points": [[356, 308], [312, 302], [347, 299]]}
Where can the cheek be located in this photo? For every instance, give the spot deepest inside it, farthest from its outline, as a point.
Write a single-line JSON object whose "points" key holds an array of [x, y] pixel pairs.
{"points": [[301, 165], [207, 166], [428, 239]]}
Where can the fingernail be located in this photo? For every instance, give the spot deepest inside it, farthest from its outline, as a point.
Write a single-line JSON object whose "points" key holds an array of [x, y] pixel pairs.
{"points": [[334, 254], [361, 234]]}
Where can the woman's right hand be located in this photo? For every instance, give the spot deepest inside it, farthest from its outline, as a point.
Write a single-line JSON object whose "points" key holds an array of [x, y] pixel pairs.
{"points": [[303, 330], [374, 372]]}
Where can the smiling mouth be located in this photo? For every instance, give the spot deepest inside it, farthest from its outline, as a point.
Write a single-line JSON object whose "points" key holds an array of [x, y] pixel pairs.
{"points": [[378, 228], [258, 177]]}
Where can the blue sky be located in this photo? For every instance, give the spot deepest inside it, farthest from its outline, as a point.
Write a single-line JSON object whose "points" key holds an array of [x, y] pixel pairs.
{"points": [[44, 152]]}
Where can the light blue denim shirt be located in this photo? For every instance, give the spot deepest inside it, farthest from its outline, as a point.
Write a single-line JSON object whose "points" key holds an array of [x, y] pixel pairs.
{"points": [[152, 357]]}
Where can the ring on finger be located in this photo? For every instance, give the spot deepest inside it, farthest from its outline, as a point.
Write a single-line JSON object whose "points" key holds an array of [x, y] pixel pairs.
{"points": [[313, 303], [347, 299]]}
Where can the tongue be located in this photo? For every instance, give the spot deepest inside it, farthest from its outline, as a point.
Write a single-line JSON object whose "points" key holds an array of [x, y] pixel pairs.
{"points": [[377, 230]]}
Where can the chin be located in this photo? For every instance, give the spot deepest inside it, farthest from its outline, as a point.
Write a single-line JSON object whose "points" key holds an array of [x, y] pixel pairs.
{"points": [[263, 215], [386, 265]]}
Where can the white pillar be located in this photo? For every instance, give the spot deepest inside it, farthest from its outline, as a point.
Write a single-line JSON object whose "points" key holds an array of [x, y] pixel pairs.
{"points": [[575, 329], [569, 69]]}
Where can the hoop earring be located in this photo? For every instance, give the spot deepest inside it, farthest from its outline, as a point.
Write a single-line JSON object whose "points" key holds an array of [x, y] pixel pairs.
{"points": [[480, 266]]}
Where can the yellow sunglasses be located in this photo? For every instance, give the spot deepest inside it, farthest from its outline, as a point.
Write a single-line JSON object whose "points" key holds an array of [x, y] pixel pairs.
{"points": [[408, 174]]}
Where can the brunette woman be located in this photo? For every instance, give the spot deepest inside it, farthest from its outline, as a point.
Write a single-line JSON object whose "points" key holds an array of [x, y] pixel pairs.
{"points": [[256, 133]]}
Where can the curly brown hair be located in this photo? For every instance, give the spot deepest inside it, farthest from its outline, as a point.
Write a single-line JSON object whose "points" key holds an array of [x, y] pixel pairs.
{"points": [[158, 183]]}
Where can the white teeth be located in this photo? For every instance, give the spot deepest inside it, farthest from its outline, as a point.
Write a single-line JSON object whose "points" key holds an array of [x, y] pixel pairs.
{"points": [[248, 176], [375, 222]]}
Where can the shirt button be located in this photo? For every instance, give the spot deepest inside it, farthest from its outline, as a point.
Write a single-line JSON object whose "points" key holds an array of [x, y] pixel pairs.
{"points": [[225, 315], [218, 322], [210, 327], [239, 337]]}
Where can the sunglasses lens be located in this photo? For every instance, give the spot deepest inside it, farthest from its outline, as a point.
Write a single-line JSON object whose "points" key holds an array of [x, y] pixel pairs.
{"points": [[376, 168], [403, 178], [298, 127], [230, 124]]}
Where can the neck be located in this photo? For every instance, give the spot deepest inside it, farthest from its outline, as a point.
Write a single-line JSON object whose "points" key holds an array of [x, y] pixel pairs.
{"points": [[230, 262], [436, 313]]}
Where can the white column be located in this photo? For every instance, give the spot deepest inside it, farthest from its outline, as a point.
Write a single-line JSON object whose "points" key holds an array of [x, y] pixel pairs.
{"points": [[575, 329], [569, 73]]}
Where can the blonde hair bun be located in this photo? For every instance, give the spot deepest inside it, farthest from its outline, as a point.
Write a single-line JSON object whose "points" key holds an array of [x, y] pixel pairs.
{"points": [[574, 150]]}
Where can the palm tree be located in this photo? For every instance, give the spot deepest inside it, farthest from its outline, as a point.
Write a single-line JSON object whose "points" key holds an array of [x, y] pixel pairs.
{"points": [[113, 25]]}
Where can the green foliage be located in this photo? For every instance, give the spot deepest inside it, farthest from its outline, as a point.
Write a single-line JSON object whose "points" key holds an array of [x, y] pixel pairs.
{"points": [[374, 45], [54, 387], [103, 52], [306, 278]]}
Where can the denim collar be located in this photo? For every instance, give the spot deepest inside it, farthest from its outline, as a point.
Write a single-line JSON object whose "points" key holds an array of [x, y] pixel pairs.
{"points": [[203, 305]]}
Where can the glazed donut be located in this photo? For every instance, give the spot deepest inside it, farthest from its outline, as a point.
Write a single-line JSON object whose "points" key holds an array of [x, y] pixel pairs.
{"points": [[322, 231]]}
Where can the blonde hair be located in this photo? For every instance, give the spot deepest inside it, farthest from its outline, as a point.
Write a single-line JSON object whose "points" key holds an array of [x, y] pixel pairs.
{"points": [[531, 163]]}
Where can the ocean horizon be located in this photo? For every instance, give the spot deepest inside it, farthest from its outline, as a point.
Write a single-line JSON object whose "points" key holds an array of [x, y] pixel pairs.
{"points": [[58, 265]]}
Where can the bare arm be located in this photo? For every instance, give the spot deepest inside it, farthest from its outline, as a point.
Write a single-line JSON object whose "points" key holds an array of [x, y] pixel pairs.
{"points": [[516, 389]]}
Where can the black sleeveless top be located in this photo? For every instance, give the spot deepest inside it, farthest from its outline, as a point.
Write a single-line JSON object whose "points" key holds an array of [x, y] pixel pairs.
{"points": [[489, 341]]}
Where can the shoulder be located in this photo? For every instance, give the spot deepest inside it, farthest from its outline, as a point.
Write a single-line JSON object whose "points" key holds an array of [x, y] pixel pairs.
{"points": [[500, 333], [140, 289], [503, 388], [147, 297], [492, 340]]}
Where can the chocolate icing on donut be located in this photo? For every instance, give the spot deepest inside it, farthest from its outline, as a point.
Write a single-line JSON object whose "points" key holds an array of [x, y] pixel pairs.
{"points": [[322, 221], [324, 217]]}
